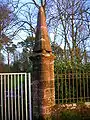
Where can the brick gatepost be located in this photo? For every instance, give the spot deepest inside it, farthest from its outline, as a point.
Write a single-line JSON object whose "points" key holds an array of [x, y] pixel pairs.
{"points": [[43, 89]]}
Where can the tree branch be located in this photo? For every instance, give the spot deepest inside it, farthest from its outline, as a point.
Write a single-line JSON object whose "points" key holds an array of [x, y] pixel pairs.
{"points": [[35, 3]]}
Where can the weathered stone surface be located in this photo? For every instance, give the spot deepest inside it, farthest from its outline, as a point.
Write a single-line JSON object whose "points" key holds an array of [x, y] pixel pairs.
{"points": [[42, 39], [43, 89]]}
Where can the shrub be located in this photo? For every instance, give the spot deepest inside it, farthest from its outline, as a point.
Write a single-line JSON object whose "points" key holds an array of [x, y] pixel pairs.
{"points": [[70, 115], [62, 112]]}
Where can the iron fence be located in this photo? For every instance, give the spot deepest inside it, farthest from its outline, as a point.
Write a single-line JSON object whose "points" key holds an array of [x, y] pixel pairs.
{"points": [[15, 96], [72, 87]]}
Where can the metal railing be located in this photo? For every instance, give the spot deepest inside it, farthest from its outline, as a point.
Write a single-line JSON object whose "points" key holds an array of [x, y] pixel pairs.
{"points": [[72, 87], [15, 96]]}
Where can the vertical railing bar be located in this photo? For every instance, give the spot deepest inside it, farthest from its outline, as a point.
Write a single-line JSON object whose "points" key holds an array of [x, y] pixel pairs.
{"points": [[62, 87], [69, 88], [80, 87], [76, 85], [2, 96], [65, 87], [18, 100], [58, 87], [15, 85], [22, 94], [87, 87], [8, 98], [26, 96], [12, 96], [5, 96], [30, 107], [84, 85], [73, 84]]}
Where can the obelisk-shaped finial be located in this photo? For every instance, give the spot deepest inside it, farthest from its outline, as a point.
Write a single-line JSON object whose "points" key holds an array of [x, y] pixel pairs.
{"points": [[42, 41]]}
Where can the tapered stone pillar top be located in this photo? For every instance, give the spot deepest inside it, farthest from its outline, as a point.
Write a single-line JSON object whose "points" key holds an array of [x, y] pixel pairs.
{"points": [[42, 42]]}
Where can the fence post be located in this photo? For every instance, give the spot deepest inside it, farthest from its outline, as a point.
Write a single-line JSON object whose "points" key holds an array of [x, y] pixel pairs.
{"points": [[43, 89]]}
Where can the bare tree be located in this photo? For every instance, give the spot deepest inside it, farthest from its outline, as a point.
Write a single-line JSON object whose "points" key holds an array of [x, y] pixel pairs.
{"points": [[73, 24], [6, 16], [27, 17]]}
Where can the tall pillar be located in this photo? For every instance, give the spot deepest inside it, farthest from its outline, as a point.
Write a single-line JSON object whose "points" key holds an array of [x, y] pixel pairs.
{"points": [[43, 89]]}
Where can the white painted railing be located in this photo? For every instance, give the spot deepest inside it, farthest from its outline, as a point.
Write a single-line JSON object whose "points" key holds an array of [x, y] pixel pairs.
{"points": [[15, 96]]}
